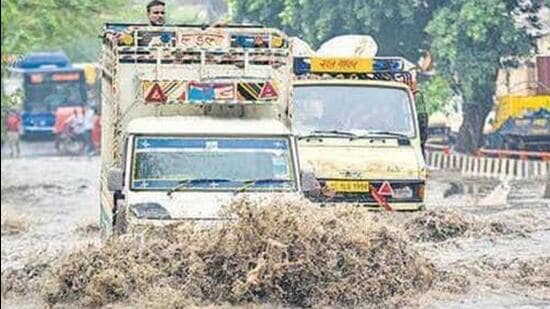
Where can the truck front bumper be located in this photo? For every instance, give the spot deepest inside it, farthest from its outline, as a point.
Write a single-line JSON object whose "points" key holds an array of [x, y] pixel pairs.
{"points": [[375, 207]]}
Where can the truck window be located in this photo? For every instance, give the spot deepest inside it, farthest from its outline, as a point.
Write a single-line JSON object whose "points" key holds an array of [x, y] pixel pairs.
{"points": [[160, 163], [352, 108], [47, 96]]}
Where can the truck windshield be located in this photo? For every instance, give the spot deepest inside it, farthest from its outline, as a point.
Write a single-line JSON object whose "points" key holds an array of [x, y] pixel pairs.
{"points": [[47, 96], [354, 109], [216, 164]]}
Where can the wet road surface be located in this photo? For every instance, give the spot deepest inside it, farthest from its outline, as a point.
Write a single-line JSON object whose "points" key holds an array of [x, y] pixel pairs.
{"points": [[55, 202]]}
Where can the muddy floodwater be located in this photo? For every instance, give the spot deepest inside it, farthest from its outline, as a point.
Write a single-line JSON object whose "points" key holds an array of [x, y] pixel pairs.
{"points": [[495, 251]]}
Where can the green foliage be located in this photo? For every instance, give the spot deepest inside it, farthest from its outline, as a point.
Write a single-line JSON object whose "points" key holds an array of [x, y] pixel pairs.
{"points": [[72, 26], [396, 25], [469, 38], [437, 93]]}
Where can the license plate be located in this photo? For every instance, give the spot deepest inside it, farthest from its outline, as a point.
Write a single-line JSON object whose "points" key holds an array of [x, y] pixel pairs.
{"points": [[348, 186], [202, 40]]}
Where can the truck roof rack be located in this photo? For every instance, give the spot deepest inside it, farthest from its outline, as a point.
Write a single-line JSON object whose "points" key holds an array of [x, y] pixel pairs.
{"points": [[201, 26], [238, 45], [212, 63]]}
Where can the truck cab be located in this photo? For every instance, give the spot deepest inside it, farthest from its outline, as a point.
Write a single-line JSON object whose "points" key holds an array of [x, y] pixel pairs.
{"points": [[186, 168], [358, 132], [193, 117], [439, 130], [520, 123]]}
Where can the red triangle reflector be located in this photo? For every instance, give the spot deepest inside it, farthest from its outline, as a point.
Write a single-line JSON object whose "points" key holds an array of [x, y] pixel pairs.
{"points": [[156, 94], [385, 189], [268, 91], [183, 96]]}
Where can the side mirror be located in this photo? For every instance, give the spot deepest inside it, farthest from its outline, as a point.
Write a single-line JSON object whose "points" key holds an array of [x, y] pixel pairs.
{"points": [[114, 179], [310, 185]]}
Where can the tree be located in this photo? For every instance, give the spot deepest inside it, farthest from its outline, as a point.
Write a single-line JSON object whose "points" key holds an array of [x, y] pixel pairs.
{"points": [[437, 93], [398, 26], [469, 40], [72, 26]]}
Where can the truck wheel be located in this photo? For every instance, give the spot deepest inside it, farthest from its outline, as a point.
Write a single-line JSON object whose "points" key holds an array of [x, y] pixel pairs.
{"points": [[120, 222]]}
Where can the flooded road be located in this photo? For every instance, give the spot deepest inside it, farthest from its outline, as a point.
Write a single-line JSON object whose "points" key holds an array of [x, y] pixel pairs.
{"points": [[505, 265], [493, 249], [53, 199]]}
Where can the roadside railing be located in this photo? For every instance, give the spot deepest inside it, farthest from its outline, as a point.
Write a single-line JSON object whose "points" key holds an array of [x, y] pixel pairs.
{"points": [[490, 163], [522, 155]]}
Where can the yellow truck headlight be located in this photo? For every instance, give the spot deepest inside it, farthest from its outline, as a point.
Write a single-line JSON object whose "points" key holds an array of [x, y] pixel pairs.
{"points": [[408, 191], [405, 192]]}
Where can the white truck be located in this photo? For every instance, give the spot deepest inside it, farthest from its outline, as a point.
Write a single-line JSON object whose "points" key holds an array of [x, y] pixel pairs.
{"points": [[192, 117]]}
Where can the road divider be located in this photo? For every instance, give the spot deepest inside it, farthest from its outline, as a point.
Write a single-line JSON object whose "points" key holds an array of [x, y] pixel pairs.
{"points": [[490, 167]]}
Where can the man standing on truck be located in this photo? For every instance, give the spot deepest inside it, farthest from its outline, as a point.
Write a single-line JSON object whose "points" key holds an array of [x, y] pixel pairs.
{"points": [[156, 12]]}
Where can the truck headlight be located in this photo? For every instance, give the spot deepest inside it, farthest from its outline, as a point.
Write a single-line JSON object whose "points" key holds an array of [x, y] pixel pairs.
{"points": [[403, 193], [149, 211]]}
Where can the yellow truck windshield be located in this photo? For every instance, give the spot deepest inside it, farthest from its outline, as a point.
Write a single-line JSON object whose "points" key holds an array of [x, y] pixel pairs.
{"points": [[357, 109]]}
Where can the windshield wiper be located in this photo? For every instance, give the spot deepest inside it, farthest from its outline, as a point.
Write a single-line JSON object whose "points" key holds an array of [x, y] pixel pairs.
{"points": [[185, 182], [247, 184], [328, 132], [382, 132]]}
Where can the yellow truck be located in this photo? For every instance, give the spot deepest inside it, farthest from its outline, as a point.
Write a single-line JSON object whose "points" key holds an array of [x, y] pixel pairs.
{"points": [[515, 106], [357, 126], [520, 123]]}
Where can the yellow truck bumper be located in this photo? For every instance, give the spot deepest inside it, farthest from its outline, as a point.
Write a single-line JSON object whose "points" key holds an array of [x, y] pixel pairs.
{"points": [[376, 207]]}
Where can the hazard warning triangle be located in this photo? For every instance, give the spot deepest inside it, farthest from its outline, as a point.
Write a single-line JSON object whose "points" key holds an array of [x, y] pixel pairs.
{"points": [[156, 95], [385, 189], [268, 91], [183, 96], [381, 200]]}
